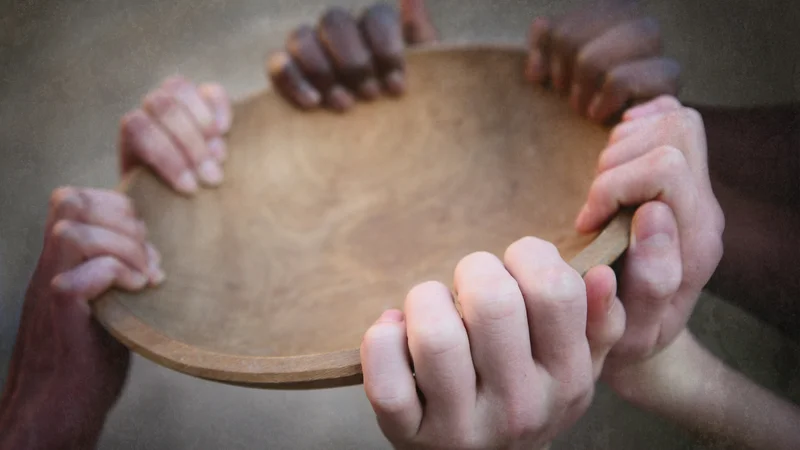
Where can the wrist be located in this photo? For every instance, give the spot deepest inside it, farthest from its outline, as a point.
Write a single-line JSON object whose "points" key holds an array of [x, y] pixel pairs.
{"points": [[44, 422], [642, 382]]}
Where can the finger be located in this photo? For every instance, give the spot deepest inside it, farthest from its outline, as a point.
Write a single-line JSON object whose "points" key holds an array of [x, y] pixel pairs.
{"points": [[186, 93], [92, 278], [659, 105], [91, 241], [388, 378], [555, 298], [605, 317], [290, 82], [309, 54], [651, 276], [682, 129], [184, 133], [537, 69], [218, 101], [440, 353], [106, 209], [417, 25], [380, 26], [627, 42], [497, 324], [342, 39], [643, 117], [638, 80], [141, 139], [218, 149], [574, 31], [661, 174]]}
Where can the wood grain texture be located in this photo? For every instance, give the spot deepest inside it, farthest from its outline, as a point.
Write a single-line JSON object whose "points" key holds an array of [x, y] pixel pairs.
{"points": [[325, 220]]}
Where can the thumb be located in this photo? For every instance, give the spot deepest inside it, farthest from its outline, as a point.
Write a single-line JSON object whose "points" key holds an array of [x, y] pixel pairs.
{"points": [[417, 25], [651, 276]]}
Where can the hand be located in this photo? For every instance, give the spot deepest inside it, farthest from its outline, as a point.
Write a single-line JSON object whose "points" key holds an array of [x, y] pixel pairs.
{"points": [[657, 158], [604, 57], [178, 132], [346, 58], [67, 371], [513, 373]]}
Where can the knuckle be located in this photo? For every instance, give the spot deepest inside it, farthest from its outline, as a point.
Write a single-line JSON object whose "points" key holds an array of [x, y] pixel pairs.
{"points": [[669, 160], [559, 284], [493, 298], [391, 403], [158, 102], [62, 194], [133, 122], [588, 66], [379, 335], [528, 245], [65, 230], [438, 341]]}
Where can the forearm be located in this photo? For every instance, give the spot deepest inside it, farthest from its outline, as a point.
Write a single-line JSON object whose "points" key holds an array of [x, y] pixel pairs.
{"points": [[46, 427], [688, 385]]}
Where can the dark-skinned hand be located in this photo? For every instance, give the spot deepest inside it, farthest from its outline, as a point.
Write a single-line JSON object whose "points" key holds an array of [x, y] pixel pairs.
{"points": [[605, 57], [345, 58]]}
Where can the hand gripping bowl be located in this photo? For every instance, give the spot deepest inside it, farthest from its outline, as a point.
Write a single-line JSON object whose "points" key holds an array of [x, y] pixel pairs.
{"points": [[326, 220]]}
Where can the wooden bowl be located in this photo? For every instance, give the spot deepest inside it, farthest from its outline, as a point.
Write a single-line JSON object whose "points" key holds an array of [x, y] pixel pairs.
{"points": [[325, 220]]}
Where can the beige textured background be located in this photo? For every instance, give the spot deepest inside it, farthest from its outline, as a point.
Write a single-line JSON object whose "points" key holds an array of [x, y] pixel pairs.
{"points": [[69, 69]]}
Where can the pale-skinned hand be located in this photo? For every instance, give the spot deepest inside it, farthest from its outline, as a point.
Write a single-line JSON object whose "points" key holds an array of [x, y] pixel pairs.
{"points": [[516, 370]]}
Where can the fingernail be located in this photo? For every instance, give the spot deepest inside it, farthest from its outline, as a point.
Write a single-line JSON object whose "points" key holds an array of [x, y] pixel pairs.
{"points": [[395, 83], [187, 183], [594, 107], [391, 316], [583, 216], [218, 149], [340, 99], [139, 280], [157, 276], [309, 97], [210, 172], [370, 89], [533, 71], [60, 283]]}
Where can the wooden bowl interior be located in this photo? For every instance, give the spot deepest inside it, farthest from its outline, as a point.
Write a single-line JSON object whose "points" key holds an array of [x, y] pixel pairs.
{"points": [[325, 220]]}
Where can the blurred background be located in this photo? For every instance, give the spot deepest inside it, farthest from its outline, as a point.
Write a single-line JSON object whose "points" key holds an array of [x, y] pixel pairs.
{"points": [[70, 69]]}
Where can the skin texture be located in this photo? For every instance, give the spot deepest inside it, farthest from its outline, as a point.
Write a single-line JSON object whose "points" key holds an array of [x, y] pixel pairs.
{"points": [[436, 380], [658, 154], [603, 60], [177, 131], [66, 371], [345, 58]]}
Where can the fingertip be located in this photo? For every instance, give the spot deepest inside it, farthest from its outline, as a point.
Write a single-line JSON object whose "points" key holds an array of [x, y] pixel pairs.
{"points": [[370, 89], [340, 99], [218, 149], [186, 183], [210, 173], [217, 98], [391, 316], [395, 83]]}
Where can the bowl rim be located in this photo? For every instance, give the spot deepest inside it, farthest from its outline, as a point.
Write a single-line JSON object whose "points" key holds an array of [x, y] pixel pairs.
{"points": [[311, 371]]}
